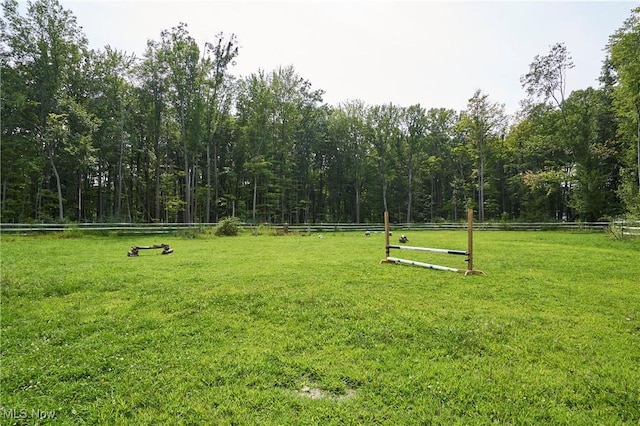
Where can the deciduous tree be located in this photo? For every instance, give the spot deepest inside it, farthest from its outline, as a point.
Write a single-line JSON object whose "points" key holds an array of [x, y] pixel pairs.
{"points": [[624, 51], [482, 121]]}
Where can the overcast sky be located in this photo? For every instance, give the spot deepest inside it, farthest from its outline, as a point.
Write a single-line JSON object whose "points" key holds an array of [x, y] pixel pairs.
{"points": [[436, 53]]}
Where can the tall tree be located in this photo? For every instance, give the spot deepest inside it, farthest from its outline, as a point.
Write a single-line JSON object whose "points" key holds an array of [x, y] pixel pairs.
{"points": [[624, 51], [272, 109], [547, 76], [310, 136], [384, 132], [593, 151], [483, 121], [46, 49], [20, 153], [152, 94], [546, 81], [287, 89], [539, 161], [437, 165], [218, 57], [413, 127], [112, 99], [347, 130], [254, 105], [181, 54]]}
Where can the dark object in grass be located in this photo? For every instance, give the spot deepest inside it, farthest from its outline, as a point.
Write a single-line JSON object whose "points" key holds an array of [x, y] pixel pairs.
{"points": [[165, 249], [403, 239]]}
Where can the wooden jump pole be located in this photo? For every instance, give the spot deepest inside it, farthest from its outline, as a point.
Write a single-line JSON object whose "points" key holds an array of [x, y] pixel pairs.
{"points": [[386, 231], [470, 270], [386, 238]]}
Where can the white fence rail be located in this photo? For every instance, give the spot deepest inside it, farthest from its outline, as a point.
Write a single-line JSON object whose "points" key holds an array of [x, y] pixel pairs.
{"points": [[625, 228], [633, 231]]}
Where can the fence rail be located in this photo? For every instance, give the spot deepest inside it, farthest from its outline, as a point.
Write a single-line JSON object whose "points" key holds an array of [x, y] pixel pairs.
{"points": [[633, 231], [627, 227]]}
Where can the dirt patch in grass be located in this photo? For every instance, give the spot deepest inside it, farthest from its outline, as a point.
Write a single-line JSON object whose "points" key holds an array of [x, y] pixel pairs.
{"points": [[317, 393]]}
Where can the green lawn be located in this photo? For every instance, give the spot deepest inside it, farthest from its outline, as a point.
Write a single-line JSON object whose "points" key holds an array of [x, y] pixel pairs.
{"points": [[307, 330]]}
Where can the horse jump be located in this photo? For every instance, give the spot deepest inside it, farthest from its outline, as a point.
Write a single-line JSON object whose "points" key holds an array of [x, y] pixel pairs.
{"points": [[134, 250], [468, 252]]}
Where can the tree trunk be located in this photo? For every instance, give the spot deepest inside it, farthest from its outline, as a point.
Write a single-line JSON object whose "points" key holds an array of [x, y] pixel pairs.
{"points": [[255, 197], [58, 184], [4, 193], [357, 202], [481, 182], [147, 184], [410, 196], [157, 182], [156, 148], [100, 211], [194, 186], [118, 200], [216, 189], [187, 176], [432, 200], [384, 195], [80, 180], [282, 195], [638, 145], [208, 201], [120, 160]]}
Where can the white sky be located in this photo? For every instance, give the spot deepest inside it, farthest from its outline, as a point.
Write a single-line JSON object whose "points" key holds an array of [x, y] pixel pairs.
{"points": [[436, 53]]}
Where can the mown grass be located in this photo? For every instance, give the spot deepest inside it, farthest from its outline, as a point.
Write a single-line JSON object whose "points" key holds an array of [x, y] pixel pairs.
{"points": [[303, 330]]}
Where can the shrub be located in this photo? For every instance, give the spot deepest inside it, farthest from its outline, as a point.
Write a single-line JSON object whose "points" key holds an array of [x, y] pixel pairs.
{"points": [[228, 227], [70, 232]]}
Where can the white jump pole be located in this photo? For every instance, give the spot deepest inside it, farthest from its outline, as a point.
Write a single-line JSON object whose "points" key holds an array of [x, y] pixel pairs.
{"points": [[433, 250], [422, 264]]}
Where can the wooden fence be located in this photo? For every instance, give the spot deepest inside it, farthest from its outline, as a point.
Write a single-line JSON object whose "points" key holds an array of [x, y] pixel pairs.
{"points": [[623, 228]]}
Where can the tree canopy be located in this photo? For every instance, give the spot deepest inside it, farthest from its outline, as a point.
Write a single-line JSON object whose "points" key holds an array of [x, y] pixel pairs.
{"points": [[174, 135]]}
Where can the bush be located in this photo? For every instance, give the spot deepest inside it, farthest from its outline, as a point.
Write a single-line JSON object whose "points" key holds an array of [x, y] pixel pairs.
{"points": [[228, 227], [71, 232]]}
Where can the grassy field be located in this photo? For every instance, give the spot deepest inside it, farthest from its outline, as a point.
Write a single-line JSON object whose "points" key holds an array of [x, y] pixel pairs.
{"points": [[307, 330]]}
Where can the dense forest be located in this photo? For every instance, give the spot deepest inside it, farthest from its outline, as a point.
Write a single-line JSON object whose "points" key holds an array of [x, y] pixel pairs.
{"points": [[174, 136]]}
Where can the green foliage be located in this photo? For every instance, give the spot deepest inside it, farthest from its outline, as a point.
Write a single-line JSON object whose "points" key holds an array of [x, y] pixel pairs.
{"points": [[630, 193], [259, 330], [228, 227], [173, 136], [624, 51], [482, 124]]}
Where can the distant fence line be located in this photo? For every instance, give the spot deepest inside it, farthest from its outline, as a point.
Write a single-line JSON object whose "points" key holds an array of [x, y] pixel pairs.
{"points": [[633, 231], [621, 227]]}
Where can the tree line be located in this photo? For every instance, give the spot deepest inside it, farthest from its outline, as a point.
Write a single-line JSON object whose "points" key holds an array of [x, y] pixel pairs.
{"points": [[175, 136]]}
